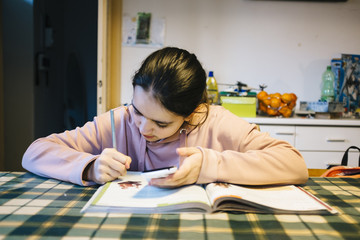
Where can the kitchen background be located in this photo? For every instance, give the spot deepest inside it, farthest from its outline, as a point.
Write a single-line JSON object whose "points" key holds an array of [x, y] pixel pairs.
{"points": [[49, 53], [284, 44]]}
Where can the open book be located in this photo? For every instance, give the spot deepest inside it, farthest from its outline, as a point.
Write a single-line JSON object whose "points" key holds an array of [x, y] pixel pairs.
{"points": [[132, 194]]}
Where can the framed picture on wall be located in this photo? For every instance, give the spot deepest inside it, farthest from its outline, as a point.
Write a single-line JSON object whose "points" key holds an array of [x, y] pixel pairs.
{"points": [[143, 30]]}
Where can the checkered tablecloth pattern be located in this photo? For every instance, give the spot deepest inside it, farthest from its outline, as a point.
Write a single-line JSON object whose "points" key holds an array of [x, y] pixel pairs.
{"points": [[32, 207]]}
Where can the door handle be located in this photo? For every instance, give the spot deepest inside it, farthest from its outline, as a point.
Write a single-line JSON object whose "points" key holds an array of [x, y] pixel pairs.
{"points": [[335, 140], [285, 133]]}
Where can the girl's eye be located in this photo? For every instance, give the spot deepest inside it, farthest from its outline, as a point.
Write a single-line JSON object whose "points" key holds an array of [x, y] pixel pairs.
{"points": [[137, 112], [161, 125]]}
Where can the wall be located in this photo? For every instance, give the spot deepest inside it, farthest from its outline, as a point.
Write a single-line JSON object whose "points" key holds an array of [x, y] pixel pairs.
{"points": [[284, 44], [2, 155]]}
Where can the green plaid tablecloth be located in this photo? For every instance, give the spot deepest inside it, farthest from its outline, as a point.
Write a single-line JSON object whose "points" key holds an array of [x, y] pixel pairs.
{"points": [[40, 208]]}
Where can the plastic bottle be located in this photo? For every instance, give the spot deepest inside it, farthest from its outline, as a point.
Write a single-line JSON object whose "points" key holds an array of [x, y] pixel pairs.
{"points": [[327, 86], [212, 88]]}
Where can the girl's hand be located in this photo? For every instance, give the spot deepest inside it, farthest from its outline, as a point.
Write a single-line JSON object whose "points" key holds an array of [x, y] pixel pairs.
{"points": [[108, 166], [188, 172]]}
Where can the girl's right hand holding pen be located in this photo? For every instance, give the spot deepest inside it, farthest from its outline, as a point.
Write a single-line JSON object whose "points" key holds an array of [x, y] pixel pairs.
{"points": [[108, 166]]}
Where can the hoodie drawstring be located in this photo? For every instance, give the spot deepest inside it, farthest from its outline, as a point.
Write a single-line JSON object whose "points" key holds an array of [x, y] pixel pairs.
{"points": [[183, 142]]}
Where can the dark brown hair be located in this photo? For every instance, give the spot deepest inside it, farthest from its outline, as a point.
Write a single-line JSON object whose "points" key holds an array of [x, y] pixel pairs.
{"points": [[176, 78]]}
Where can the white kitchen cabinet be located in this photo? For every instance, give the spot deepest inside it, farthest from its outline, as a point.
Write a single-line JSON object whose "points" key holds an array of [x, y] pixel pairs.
{"points": [[286, 133], [321, 159], [313, 138], [320, 141]]}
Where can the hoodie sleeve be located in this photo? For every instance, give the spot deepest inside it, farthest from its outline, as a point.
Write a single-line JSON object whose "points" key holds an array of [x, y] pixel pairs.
{"points": [[64, 156], [241, 154]]}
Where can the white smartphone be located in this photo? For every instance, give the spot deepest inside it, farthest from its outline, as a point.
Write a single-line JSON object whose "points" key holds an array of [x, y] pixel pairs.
{"points": [[159, 172]]}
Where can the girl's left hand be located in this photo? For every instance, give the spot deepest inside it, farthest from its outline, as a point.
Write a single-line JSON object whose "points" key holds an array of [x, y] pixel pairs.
{"points": [[188, 172]]}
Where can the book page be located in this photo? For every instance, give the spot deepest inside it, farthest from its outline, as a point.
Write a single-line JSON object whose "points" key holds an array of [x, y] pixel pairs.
{"points": [[133, 192], [289, 198]]}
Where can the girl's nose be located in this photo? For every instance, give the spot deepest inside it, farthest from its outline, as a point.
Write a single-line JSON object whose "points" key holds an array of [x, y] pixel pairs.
{"points": [[145, 126]]}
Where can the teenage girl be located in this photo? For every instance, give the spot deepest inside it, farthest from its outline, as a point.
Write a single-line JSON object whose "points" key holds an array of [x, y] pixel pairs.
{"points": [[169, 122]]}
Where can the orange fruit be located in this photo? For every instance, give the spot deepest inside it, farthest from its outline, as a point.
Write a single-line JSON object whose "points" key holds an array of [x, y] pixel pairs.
{"points": [[261, 95], [291, 105], [275, 102], [267, 101], [287, 113], [283, 109], [275, 95], [272, 112], [294, 97], [286, 97], [262, 107]]}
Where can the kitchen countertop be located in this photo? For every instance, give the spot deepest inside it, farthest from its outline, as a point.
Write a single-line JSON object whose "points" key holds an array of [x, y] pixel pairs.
{"points": [[304, 121]]}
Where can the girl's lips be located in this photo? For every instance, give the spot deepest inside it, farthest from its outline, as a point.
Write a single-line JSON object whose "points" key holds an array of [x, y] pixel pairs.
{"points": [[148, 137]]}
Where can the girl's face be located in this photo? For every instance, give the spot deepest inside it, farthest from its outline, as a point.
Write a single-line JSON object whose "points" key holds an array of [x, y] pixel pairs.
{"points": [[154, 121]]}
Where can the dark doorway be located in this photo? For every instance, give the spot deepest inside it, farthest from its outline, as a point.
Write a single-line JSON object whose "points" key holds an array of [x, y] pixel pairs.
{"points": [[65, 34], [49, 64]]}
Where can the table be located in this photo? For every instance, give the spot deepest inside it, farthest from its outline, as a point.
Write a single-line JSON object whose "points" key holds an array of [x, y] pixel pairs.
{"points": [[39, 208]]}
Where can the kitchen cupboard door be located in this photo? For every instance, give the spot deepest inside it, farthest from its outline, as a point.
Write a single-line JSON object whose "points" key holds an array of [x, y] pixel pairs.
{"points": [[321, 160], [316, 138], [286, 133]]}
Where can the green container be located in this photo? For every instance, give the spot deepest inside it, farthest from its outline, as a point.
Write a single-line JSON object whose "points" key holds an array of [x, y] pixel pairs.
{"points": [[240, 106]]}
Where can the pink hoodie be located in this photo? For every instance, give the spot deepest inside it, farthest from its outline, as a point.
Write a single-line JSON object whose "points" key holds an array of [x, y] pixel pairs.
{"points": [[233, 150]]}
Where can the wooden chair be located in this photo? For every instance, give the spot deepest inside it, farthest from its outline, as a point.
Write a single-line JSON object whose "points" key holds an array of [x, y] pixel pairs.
{"points": [[316, 172]]}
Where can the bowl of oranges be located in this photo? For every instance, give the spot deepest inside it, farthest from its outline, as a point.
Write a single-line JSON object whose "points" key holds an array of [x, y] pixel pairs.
{"points": [[276, 104]]}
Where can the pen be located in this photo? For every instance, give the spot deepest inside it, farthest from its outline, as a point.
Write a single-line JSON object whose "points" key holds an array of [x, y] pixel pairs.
{"points": [[113, 128]]}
